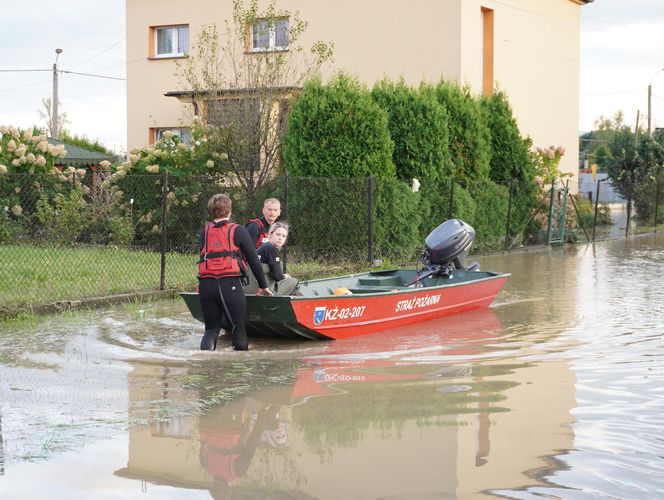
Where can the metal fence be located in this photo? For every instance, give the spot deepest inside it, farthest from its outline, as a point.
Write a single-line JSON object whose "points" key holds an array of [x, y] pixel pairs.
{"points": [[71, 236]]}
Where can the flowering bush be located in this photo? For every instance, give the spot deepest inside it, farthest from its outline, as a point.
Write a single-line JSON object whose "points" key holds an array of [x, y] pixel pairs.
{"points": [[29, 152], [546, 163], [137, 184]]}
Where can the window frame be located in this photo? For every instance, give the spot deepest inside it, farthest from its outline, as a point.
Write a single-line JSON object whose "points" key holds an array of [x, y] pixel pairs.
{"points": [[272, 27], [158, 133], [178, 50]]}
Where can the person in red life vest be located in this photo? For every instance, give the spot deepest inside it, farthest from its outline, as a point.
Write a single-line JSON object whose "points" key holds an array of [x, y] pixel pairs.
{"points": [[259, 228], [229, 437], [224, 247]]}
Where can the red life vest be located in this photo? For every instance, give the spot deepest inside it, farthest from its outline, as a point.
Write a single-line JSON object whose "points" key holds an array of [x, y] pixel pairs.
{"points": [[220, 256], [262, 231]]}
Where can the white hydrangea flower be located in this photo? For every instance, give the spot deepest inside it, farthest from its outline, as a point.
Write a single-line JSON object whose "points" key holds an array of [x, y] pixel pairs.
{"points": [[105, 164], [209, 164], [3, 169], [17, 210]]}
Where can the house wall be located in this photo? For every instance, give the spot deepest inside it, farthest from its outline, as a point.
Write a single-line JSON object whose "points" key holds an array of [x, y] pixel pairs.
{"points": [[536, 54]]}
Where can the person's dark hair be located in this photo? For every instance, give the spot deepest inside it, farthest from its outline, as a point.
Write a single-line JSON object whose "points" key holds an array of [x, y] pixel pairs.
{"points": [[220, 206]]}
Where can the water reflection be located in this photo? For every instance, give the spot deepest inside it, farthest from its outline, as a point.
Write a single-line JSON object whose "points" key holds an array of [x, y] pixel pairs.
{"points": [[437, 410]]}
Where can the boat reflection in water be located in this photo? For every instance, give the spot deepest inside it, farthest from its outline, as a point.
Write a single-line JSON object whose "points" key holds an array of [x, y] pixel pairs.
{"points": [[426, 411]]}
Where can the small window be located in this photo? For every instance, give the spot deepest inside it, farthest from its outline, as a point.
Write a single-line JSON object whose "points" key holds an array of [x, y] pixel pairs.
{"points": [[269, 34], [171, 41], [183, 133]]}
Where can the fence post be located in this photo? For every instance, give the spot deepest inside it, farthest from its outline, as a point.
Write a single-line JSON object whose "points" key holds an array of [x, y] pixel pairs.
{"points": [[509, 216], [285, 249], [549, 230], [656, 197], [370, 221], [596, 206], [164, 224], [451, 207]]}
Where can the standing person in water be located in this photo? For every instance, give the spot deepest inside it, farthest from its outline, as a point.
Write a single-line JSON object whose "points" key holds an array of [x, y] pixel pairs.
{"points": [[269, 256], [259, 228], [224, 246]]}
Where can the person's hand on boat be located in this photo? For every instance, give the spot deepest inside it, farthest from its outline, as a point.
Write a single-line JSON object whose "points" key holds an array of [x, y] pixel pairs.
{"points": [[264, 291]]}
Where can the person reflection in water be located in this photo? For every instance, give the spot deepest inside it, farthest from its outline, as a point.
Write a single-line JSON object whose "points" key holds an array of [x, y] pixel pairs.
{"points": [[229, 437]]}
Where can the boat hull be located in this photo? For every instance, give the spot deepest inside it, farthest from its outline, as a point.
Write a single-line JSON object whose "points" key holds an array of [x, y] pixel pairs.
{"points": [[368, 310]]}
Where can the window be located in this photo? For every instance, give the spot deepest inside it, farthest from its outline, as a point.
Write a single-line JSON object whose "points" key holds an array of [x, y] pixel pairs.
{"points": [[269, 34], [182, 133], [171, 41]]}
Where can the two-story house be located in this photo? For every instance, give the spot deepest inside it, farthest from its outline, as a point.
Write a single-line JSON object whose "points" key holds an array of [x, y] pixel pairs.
{"points": [[528, 48]]}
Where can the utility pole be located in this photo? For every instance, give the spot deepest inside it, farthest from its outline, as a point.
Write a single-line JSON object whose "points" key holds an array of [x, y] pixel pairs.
{"points": [[649, 109], [650, 102], [54, 99]]}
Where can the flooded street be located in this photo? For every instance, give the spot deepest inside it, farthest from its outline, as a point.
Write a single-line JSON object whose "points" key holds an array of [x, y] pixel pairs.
{"points": [[557, 391]]}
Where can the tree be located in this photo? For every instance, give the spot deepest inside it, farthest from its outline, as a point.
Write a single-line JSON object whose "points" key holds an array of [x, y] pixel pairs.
{"points": [[46, 115], [244, 97]]}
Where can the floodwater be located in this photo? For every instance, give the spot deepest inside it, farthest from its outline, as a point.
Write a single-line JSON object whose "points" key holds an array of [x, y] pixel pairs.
{"points": [[557, 391]]}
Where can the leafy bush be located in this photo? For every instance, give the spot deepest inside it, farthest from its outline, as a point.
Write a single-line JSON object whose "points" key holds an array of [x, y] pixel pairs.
{"points": [[418, 127], [510, 158], [397, 220], [470, 138], [337, 130], [67, 220], [490, 214], [328, 218]]}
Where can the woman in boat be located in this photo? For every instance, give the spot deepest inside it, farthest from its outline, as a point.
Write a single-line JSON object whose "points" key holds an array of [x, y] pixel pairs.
{"points": [[268, 254], [224, 246]]}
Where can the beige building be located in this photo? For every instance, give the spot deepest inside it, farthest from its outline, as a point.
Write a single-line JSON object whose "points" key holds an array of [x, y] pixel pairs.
{"points": [[528, 48]]}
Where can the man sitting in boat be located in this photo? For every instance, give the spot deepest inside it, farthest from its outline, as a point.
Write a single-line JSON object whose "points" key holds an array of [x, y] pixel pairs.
{"points": [[268, 254], [259, 228]]}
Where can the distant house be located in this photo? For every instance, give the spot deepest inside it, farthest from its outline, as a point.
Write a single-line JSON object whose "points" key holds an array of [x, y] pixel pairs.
{"points": [[530, 50]]}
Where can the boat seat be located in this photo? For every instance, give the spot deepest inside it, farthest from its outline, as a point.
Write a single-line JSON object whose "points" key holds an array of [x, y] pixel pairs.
{"points": [[382, 281], [371, 289]]}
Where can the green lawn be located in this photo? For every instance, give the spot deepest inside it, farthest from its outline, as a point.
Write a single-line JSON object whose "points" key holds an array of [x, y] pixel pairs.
{"points": [[38, 274], [31, 274]]}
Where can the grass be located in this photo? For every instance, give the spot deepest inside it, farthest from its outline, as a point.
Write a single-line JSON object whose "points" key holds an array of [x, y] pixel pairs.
{"points": [[40, 274], [31, 274]]}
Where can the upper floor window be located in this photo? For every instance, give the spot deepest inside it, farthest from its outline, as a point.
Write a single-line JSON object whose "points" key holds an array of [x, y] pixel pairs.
{"points": [[269, 34], [171, 41]]}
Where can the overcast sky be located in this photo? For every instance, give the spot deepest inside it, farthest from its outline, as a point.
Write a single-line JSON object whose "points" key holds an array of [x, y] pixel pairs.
{"points": [[622, 50]]}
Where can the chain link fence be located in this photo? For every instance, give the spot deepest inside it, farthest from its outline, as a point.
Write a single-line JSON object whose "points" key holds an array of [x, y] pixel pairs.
{"points": [[78, 235]]}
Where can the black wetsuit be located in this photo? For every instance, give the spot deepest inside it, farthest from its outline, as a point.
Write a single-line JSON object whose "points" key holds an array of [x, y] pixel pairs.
{"points": [[223, 302], [268, 254]]}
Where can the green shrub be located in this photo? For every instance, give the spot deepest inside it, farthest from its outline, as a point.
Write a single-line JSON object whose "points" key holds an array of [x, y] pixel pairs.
{"points": [[66, 219], [469, 135], [337, 130], [397, 220], [510, 158], [490, 215], [418, 127]]}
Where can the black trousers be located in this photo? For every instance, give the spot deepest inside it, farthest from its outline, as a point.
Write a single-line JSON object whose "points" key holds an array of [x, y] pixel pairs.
{"points": [[224, 306]]}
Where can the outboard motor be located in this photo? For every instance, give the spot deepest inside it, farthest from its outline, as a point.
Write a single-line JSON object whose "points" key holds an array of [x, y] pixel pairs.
{"points": [[446, 249]]}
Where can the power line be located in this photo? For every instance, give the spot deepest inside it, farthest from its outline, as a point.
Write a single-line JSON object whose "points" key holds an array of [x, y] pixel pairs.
{"points": [[22, 70], [90, 74]]}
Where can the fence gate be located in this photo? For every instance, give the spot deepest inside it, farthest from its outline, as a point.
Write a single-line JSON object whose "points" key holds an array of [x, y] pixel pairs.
{"points": [[557, 220]]}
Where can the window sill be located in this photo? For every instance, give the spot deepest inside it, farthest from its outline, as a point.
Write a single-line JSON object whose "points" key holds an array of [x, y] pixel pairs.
{"points": [[267, 51], [160, 58]]}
